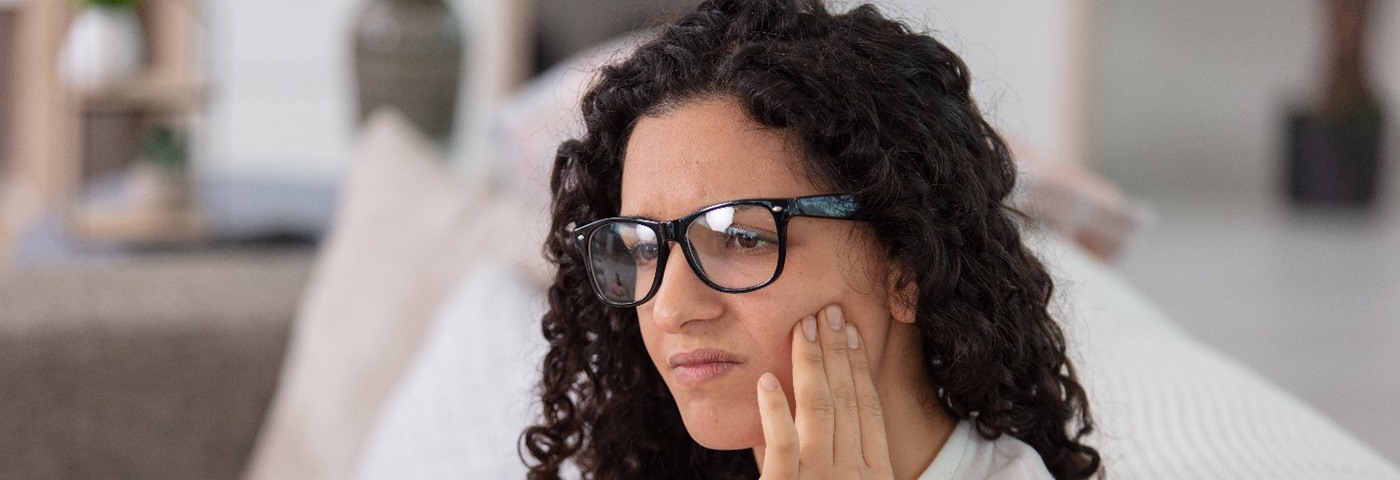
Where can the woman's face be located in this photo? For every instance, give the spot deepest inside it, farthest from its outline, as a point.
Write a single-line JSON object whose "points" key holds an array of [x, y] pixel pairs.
{"points": [[706, 152]]}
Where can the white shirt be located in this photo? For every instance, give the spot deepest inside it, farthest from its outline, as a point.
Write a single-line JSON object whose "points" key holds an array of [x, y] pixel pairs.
{"points": [[967, 455]]}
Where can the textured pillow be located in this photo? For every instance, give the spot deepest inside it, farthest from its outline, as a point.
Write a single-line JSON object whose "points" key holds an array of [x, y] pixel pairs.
{"points": [[461, 406], [407, 230], [1168, 407]]}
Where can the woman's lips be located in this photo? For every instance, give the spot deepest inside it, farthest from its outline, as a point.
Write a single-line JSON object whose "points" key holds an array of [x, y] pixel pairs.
{"points": [[699, 366]]}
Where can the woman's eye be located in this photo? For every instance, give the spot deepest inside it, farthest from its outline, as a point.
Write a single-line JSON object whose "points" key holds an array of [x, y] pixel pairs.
{"points": [[746, 239], [645, 252]]}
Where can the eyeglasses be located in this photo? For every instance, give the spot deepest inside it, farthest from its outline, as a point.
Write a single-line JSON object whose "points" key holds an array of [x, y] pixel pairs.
{"points": [[734, 247]]}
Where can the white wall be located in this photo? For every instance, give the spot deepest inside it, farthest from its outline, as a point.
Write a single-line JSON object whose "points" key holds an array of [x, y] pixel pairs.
{"points": [[280, 78], [1027, 59], [1191, 94], [283, 99]]}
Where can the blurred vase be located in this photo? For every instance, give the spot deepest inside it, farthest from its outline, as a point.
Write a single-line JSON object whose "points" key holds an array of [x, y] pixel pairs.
{"points": [[104, 46], [408, 56]]}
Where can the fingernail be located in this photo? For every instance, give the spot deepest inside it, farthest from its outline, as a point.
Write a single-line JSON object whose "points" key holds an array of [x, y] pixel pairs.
{"points": [[809, 328], [852, 338], [768, 382], [833, 317]]}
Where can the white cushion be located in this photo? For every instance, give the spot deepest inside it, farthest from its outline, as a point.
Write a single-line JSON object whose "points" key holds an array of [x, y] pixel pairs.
{"points": [[460, 409]]}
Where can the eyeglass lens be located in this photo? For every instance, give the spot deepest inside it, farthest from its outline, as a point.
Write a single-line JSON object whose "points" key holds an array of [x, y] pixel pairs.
{"points": [[735, 247]]}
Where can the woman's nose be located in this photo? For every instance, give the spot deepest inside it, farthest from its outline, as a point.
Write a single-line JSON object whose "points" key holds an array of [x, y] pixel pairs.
{"points": [[682, 297]]}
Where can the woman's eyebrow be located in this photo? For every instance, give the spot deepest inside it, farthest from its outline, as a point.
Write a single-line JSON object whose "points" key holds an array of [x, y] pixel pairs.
{"points": [[647, 213], [641, 215]]}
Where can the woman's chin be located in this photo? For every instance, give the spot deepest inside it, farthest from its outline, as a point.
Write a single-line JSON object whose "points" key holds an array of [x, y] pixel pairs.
{"points": [[726, 440], [723, 428]]}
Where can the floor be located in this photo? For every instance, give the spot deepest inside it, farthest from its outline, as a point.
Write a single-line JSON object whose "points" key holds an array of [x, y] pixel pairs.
{"points": [[1309, 299]]}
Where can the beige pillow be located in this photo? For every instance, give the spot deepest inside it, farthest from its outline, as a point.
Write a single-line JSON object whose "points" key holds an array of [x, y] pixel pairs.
{"points": [[408, 228]]}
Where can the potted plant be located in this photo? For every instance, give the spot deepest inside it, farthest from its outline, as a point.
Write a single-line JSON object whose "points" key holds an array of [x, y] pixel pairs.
{"points": [[104, 44], [160, 178], [1335, 147]]}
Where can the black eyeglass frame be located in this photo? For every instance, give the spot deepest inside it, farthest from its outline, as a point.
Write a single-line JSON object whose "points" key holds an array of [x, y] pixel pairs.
{"points": [[835, 206]]}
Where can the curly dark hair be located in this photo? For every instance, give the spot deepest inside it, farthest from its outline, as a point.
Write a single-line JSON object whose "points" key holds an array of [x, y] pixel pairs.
{"points": [[885, 114]]}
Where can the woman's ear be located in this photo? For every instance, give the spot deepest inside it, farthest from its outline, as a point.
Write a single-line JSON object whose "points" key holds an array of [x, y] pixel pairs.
{"points": [[904, 294]]}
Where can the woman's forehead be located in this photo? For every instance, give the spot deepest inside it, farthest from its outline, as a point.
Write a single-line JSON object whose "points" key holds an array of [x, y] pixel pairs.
{"points": [[706, 152]]}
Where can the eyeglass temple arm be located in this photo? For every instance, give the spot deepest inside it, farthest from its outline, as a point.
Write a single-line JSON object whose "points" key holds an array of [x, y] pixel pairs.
{"points": [[825, 206]]}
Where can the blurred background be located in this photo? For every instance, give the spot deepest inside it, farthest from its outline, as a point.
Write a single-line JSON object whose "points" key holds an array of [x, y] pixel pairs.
{"points": [[169, 168]]}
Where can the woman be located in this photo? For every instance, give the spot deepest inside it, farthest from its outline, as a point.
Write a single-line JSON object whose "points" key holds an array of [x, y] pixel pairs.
{"points": [[783, 249]]}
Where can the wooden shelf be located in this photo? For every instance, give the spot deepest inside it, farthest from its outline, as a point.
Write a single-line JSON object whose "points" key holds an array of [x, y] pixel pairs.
{"points": [[49, 145], [149, 93], [139, 225]]}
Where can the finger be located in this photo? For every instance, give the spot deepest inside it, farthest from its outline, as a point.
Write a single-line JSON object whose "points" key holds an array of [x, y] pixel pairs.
{"points": [[812, 396], [874, 444], [780, 453], [846, 446]]}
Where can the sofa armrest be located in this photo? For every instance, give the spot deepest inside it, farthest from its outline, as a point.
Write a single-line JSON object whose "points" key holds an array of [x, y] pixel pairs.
{"points": [[155, 367]]}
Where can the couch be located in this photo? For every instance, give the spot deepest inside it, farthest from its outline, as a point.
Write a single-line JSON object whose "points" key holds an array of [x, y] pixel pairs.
{"points": [[415, 351]]}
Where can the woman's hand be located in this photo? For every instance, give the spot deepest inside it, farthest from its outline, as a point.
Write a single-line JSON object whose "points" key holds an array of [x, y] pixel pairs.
{"points": [[839, 430]]}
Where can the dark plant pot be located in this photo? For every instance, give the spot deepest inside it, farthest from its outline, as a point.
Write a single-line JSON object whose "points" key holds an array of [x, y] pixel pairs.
{"points": [[408, 55], [1334, 161]]}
